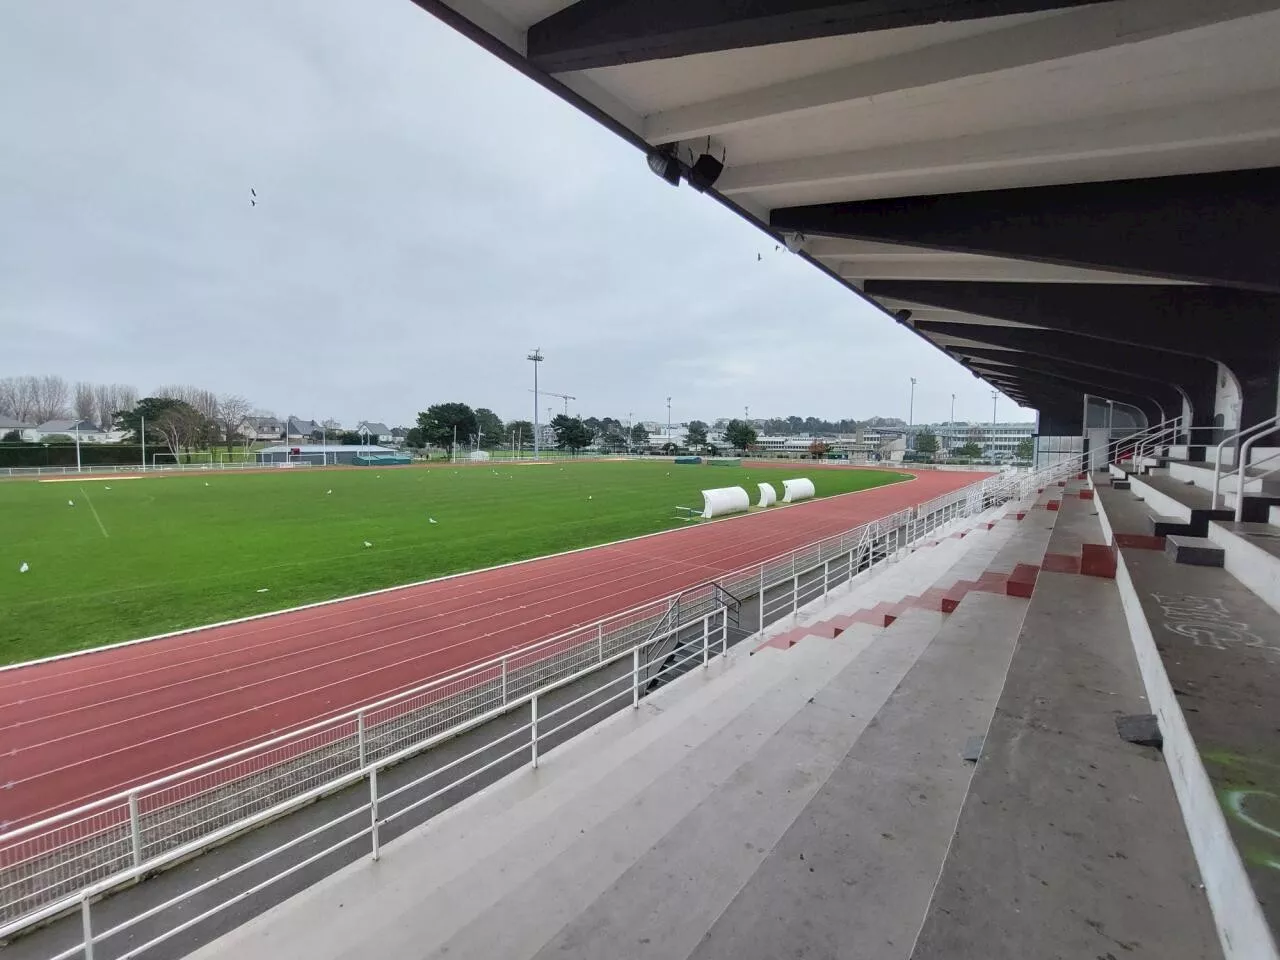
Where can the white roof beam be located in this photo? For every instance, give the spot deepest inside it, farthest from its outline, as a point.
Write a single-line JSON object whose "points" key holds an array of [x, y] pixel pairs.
{"points": [[974, 268], [1252, 118], [1082, 31]]}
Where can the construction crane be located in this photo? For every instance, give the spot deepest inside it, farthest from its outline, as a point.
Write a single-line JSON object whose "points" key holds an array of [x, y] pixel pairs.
{"points": [[563, 396]]}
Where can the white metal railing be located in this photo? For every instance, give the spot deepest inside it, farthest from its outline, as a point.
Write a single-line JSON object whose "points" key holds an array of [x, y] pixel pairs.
{"points": [[1249, 434], [825, 554], [1256, 433], [49, 866]]}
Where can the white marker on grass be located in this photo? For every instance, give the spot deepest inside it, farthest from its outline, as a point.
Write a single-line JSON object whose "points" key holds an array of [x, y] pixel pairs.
{"points": [[368, 544], [24, 568], [71, 503]]}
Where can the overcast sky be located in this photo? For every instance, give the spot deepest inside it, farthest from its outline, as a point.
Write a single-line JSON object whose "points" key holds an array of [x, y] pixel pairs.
{"points": [[426, 216]]}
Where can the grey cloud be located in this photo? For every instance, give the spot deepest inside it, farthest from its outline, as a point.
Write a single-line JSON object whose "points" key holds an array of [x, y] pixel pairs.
{"points": [[426, 216]]}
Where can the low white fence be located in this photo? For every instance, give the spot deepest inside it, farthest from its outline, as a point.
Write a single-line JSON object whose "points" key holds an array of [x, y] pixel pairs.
{"points": [[65, 862]]}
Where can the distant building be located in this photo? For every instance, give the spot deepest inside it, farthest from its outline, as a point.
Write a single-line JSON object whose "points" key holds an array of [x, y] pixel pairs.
{"points": [[86, 430], [261, 428], [27, 431], [997, 441], [303, 429], [376, 432]]}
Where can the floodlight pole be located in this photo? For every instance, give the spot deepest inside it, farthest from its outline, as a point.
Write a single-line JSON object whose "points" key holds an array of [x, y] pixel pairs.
{"points": [[142, 435], [994, 399], [77, 446], [537, 358]]}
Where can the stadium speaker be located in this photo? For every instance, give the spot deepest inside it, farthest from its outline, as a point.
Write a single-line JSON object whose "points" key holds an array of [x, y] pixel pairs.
{"points": [[705, 172], [666, 166]]}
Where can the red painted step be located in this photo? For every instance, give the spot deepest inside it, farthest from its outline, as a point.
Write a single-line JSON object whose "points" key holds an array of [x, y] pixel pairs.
{"points": [[1022, 581], [1098, 560]]}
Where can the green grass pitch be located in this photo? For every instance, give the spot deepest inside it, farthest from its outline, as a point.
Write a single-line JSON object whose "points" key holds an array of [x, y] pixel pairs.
{"points": [[134, 558]]}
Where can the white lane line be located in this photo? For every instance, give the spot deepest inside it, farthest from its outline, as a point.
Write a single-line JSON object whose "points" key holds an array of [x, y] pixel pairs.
{"points": [[95, 512]]}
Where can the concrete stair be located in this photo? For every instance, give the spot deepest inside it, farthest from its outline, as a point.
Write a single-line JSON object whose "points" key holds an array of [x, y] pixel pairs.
{"points": [[729, 816], [1205, 638], [993, 558], [1070, 842]]}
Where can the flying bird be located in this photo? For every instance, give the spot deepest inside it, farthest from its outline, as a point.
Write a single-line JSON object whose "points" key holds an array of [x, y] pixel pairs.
{"points": [[253, 197], [759, 257]]}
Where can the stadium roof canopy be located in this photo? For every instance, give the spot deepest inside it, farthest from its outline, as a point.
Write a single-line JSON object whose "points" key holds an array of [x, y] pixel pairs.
{"points": [[1067, 196]]}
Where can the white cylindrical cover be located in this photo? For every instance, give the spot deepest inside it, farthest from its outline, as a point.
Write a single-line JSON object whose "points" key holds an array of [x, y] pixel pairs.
{"points": [[722, 500], [768, 495], [800, 488]]}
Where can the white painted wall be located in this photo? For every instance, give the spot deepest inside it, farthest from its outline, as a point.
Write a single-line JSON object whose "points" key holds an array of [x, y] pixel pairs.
{"points": [[1226, 400]]}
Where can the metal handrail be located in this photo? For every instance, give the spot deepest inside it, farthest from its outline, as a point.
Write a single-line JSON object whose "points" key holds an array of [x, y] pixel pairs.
{"points": [[1242, 468], [1217, 459], [1170, 426]]}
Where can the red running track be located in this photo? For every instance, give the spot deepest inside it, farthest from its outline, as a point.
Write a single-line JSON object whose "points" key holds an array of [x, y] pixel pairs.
{"points": [[80, 728]]}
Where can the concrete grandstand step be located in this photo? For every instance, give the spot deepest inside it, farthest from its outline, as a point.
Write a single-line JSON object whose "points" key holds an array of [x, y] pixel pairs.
{"points": [[1251, 554], [663, 904], [435, 881], [1070, 842], [853, 875], [1211, 666], [1199, 551]]}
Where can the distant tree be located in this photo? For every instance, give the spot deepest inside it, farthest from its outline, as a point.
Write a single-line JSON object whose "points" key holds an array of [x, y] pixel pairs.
{"points": [[926, 442], [521, 431], [489, 424], [440, 421], [819, 449], [13, 436], [741, 435], [182, 427], [147, 409], [970, 450], [696, 434], [232, 409], [52, 394], [639, 435], [59, 438], [110, 398], [713, 450], [571, 433], [349, 438], [413, 438], [204, 402], [1025, 449], [318, 436], [85, 405], [670, 449]]}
